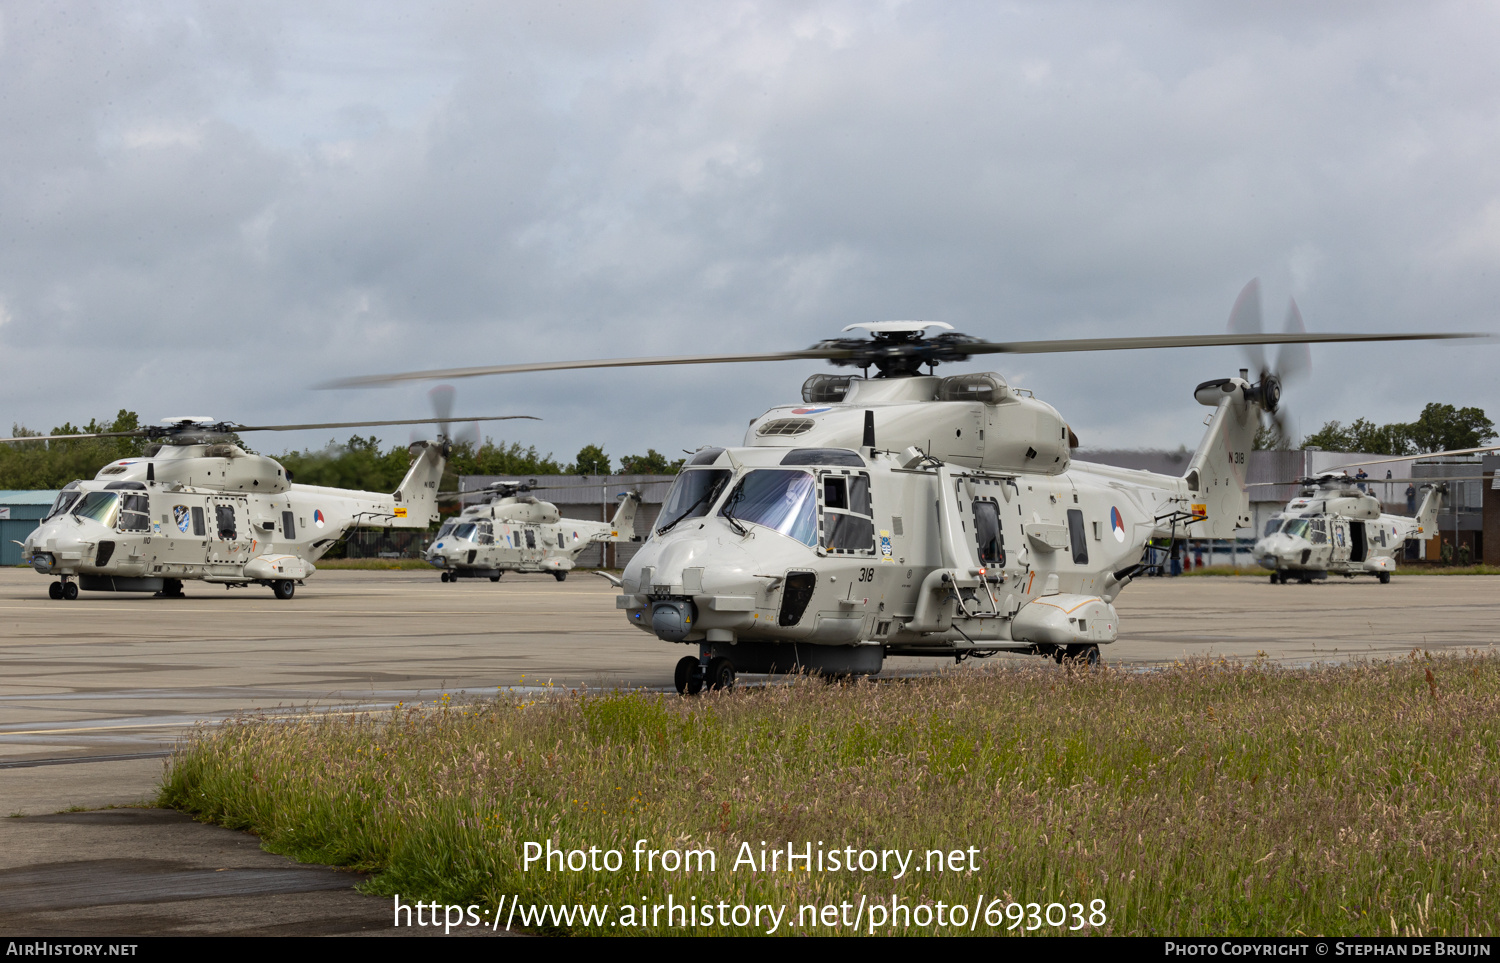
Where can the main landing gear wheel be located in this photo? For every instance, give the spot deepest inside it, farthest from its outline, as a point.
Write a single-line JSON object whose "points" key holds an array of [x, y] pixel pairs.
{"points": [[171, 589], [560, 576], [1385, 578], [1083, 654], [284, 588], [688, 676], [55, 590], [1274, 579], [720, 673], [70, 590], [494, 578]]}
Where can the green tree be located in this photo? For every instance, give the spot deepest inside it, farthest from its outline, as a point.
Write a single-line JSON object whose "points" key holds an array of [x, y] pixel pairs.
{"points": [[1444, 427], [652, 462], [52, 464], [1438, 428], [591, 461]]}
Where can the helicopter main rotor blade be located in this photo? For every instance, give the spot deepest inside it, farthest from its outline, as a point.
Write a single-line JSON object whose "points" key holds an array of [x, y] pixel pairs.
{"points": [[845, 350], [370, 424], [1421, 455], [137, 433], [366, 381]]}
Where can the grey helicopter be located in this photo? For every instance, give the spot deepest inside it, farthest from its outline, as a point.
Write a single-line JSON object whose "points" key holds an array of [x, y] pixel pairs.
{"points": [[511, 530], [197, 506], [908, 514]]}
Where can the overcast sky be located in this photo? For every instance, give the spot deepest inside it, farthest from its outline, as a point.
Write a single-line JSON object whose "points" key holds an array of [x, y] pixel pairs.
{"points": [[206, 208]]}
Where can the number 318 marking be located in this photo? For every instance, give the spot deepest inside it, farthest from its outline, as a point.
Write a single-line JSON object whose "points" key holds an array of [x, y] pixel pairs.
{"points": [[867, 575]]}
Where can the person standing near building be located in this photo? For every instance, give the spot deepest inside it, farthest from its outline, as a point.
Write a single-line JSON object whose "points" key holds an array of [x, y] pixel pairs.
{"points": [[1411, 499]]}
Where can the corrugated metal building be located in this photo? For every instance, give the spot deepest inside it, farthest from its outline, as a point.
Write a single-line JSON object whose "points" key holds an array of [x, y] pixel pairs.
{"points": [[19, 513]]}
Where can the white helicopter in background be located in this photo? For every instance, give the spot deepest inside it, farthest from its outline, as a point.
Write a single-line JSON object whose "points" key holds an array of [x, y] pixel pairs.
{"points": [[511, 530], [196, 506], [908, 514], [1335, 527]]}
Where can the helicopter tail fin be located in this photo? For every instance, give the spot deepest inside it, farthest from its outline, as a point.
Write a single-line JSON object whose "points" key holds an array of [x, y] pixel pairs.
{"points": [[1215, 478], [1427, 513], [623, 523], [416, 498]]}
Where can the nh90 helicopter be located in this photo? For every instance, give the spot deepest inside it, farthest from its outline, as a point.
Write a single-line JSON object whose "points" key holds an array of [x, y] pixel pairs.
{"points": [[913, 515], [197, 507], [514, 531], [1334, 527]]}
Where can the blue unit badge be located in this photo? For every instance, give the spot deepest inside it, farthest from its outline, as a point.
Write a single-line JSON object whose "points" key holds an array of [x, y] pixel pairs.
{"points": [[885, 546], [182, 517]]}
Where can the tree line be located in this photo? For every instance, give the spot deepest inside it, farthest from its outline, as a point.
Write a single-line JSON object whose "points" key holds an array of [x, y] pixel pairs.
{"points": [[359, 463], [1438, 428]]}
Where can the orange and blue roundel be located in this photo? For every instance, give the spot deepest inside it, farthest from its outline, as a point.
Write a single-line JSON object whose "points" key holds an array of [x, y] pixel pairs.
{"points": [[809, 411], [1117, 523]]}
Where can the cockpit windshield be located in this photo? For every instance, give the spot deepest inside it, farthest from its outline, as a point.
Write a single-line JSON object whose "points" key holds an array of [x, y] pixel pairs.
{"points": [[102, 507], [1274, 525], [785, 501], [1297, 527], [446, 529], [64, 502], [692, 495], [465, 533]]}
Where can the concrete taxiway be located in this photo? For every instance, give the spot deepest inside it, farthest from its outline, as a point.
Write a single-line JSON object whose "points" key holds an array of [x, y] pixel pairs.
{"points": [[94, 692]]}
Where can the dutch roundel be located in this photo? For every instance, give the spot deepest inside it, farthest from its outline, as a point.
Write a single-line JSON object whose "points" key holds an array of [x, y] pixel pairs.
{"points": [[1117, 523]]}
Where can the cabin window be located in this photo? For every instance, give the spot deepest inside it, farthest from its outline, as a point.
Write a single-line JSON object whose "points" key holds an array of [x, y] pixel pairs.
{"points": [[1076, 536], [199, 528], [288, 525], [560, 542], [987, 534], [531, 538], [135, 513], [224, 517], [783, 501], [847, 522]]}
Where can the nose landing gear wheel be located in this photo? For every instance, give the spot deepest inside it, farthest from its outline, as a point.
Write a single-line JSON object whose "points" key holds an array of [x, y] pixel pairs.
{"points": [[720, 673], [284, 588], [444, 577], [688, 676], [55, 590], [70, 590]]}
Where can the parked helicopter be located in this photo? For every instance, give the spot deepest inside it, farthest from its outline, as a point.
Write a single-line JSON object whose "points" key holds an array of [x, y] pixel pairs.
{"points": [[197, 506], [512, 530], [1335, 527], [908, 514]]}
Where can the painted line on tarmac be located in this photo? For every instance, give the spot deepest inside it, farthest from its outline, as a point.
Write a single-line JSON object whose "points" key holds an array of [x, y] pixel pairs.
{"points": [[77, 760]]}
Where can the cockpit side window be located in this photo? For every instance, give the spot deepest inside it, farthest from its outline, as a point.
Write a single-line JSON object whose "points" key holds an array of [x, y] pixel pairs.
{"points": [[847, 525], [135, 513]]}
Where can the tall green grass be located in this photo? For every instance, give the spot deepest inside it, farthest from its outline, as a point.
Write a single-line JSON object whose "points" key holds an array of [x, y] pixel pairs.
{"points": [[1209, 798]]}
